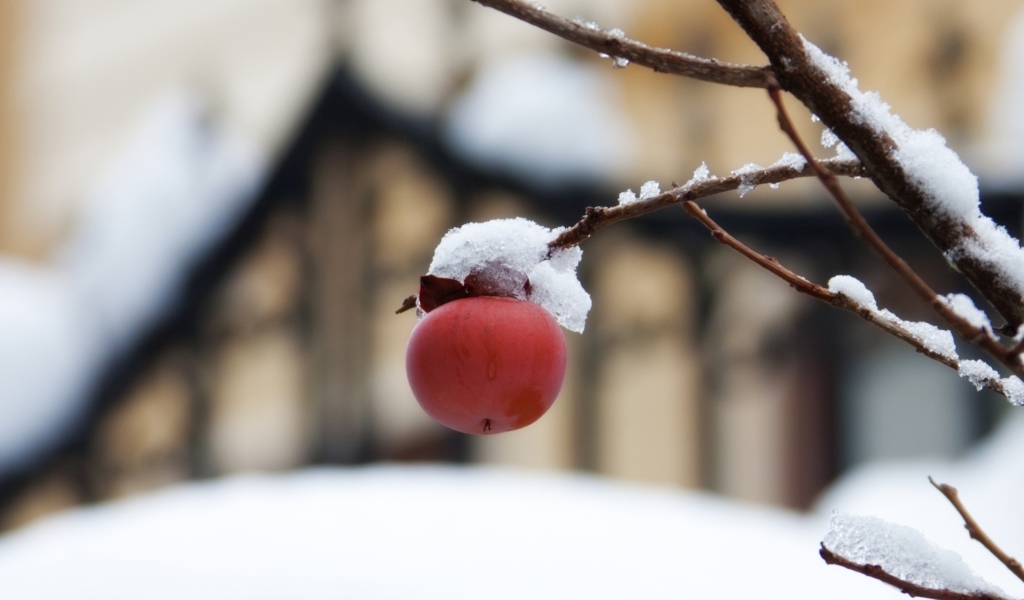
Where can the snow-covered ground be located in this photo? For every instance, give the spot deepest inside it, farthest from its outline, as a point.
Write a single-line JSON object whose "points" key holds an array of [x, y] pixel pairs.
{"points": [[467, 532]]}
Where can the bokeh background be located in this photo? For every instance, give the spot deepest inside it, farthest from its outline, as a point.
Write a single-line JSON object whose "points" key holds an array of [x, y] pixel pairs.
{"points": [[209, 212]]}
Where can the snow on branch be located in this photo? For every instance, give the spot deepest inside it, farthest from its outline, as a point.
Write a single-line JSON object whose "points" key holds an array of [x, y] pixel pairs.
{"points": [[914, 168], [849, 294], [615, 43], [903, 558], [957, 310], [701, 185]]}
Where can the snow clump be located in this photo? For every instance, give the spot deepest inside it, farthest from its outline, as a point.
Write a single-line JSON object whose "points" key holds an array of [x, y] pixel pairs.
{"points": [[963, 306], [792, 160], [903, 552], [700, 174], [854, 289], [649, 190], [512, 258], [978, 372]]}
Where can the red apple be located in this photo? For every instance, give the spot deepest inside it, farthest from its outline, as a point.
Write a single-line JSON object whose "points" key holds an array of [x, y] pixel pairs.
{"points": [[486, 364]]}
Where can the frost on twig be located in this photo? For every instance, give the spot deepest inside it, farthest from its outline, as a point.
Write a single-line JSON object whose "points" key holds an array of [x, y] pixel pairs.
{"points": [[701, 185], [902, 557]]}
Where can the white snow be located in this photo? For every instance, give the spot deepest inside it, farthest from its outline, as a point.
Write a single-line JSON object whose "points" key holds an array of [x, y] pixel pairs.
{"points": [[175, 190], [546, 118], [854, 289], [50, 351], [462, 532], [420, 532], [978, 372], [701, 173], [963, 306], [505, 254], [1014, 389], [903, 552], [746, 180], [627, 197], [938, 171], [792, 160], [940, 341], [993, 246], [981, 375], [990, 479], [931, 337], [937, 340], [944, 179], [649, 189]]}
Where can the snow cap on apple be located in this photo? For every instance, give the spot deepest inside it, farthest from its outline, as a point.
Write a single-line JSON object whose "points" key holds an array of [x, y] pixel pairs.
{"points": [[511, 258]]}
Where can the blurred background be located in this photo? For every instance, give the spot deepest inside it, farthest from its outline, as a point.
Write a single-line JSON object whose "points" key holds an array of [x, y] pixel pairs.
{"points": [[209, 213]]}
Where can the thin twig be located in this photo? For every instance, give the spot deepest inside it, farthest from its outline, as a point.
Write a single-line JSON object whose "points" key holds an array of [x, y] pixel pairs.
{"points": [[911, 589], [860, 226], [661, 60], [800, 284], [408, 304], [769, 263], [597, 218], [975, 530]]}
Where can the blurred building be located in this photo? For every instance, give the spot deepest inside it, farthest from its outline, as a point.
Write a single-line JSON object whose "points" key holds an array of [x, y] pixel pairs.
{"points": [[312, 153]]}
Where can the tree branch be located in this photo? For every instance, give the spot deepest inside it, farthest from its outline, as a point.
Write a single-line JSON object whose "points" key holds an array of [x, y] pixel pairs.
{"points": [[911, 589], [970, 332], [975, 530], [599, 217], [799, 75], [802, 285], [661, 60]]}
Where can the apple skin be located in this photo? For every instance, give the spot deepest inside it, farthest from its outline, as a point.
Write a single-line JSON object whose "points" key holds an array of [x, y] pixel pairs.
{"points": [[486, 364]]}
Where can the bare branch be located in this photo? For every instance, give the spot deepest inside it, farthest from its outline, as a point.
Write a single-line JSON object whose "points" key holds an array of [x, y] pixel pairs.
{"points": [[975, 530], [797, 74], [911, 589], [860, 226], [599, 217], [661, 60], [408, 304], [814, 290], [769, 263]]}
